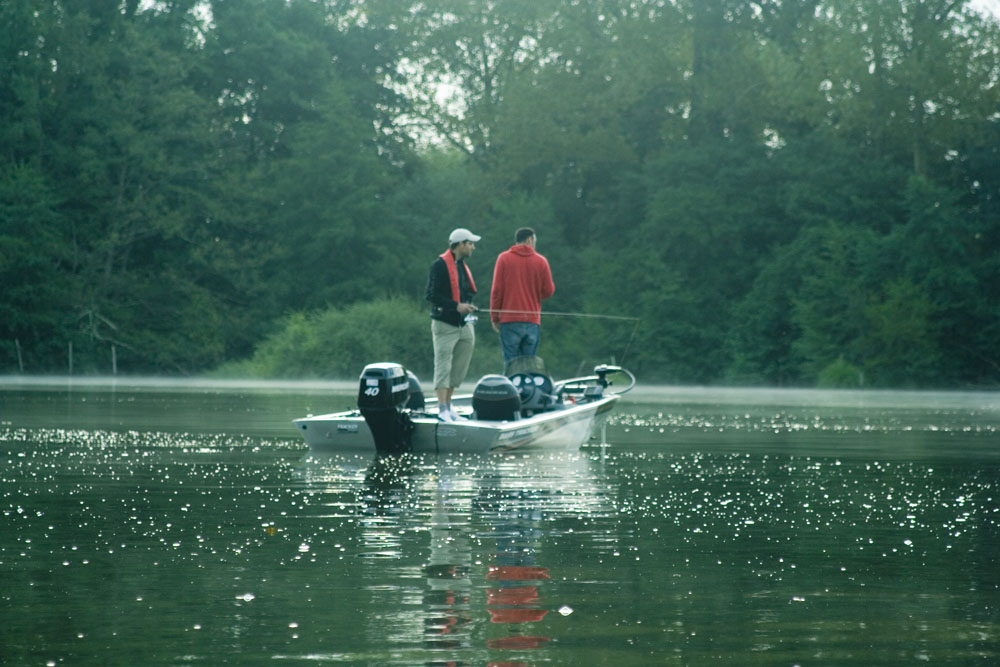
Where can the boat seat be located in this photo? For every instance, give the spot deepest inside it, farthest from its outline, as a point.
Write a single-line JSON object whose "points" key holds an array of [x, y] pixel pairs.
{"points": [[524, 364]]}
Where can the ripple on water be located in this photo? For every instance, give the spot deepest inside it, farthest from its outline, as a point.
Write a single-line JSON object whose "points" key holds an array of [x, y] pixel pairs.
{"points": [[883, 507], [651, 541], [778, 422]]}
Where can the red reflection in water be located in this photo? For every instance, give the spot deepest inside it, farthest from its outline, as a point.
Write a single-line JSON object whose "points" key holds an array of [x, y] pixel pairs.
{"points": [[517, 642], [515, 600], [523, 595], [517, 572]]}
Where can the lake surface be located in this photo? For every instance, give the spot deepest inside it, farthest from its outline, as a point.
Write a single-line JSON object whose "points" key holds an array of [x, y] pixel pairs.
{"points": [[186, 524]]}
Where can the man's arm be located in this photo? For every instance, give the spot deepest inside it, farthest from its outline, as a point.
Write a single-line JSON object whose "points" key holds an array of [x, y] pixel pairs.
{"points": [[548, 285], [496, 293]]}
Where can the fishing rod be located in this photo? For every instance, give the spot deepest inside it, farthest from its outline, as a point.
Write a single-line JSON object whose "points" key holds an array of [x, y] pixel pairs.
{"points": [[582, 315], [557, 314]]}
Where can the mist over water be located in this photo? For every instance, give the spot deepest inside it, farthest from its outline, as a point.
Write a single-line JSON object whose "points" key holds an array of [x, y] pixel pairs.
{"points": [[189, 525]]}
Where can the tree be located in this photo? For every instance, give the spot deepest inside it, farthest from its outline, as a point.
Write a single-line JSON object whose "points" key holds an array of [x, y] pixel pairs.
{"points": [[119, 183], [33, 302], [457, 59], [909, 78]]}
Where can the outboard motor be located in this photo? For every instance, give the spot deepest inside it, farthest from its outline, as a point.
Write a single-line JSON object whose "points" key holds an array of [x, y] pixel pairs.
{"points": [[384, 389], [495, 398]]}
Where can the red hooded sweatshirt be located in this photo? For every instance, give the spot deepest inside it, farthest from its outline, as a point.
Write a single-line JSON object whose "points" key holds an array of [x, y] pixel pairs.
{"points": [[521, 280]]}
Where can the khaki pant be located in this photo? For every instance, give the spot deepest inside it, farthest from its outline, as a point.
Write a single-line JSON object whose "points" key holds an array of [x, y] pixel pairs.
{"points": [[452, 353]]}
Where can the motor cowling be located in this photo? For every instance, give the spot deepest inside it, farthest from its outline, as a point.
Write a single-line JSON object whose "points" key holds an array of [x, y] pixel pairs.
{"points": [[495, 398], [384, 390]]}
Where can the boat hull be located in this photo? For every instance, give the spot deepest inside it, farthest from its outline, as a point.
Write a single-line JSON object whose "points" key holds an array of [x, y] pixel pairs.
{"points": [[567, 428]]}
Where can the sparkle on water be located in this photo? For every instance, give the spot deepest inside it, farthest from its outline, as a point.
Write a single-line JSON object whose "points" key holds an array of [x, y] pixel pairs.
{"points": [[742, 531]]}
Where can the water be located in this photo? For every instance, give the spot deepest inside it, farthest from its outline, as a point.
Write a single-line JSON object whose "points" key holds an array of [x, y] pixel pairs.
{"points": [[188, 525]]}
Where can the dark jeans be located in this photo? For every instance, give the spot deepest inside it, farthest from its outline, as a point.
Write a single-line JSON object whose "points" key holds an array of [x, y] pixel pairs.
{"points": [[519, 339]]}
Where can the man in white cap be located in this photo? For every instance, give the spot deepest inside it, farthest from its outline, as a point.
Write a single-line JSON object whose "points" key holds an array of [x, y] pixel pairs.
{"points": [[450, 289]]}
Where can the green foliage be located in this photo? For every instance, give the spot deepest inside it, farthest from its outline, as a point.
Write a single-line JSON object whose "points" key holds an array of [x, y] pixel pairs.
{"points": [[338, 343], [761, 341], [901, 347], [840, 374], [33, 301], [784, 193]]}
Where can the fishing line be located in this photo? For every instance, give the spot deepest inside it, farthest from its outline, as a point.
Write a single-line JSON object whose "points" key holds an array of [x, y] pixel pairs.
{"points": [[629, 343]]}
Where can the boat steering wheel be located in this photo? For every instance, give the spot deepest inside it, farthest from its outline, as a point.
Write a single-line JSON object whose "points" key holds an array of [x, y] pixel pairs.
{"points": [[531, 387]]}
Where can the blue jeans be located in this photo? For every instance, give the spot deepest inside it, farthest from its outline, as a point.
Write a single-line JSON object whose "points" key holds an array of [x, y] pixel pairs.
{"points": [[519, 339]]}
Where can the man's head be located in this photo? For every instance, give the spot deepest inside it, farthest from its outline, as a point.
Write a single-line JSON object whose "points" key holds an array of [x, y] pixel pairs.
{"points": [[525, 235], [462, 242]]}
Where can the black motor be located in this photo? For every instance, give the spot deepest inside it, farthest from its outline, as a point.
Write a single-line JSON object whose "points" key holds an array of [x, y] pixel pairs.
{"points": [[495, 398], [384, 389]]}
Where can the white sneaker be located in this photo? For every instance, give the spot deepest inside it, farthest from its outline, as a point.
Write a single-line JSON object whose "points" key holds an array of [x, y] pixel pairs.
{"points": [[450, 415]]}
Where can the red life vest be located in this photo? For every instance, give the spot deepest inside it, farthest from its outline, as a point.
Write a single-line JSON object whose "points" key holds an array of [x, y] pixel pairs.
{"points": [[449, 261]]}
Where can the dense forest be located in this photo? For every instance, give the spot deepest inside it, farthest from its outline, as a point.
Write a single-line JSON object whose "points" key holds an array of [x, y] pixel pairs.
{"points": [[781, 193]]}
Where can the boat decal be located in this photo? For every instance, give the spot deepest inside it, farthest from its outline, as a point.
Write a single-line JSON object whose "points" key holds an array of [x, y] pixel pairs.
{"points": [[347, 428], [517, 434]]}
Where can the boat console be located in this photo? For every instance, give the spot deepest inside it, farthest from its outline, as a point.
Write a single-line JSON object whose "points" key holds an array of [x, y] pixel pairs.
{"points": [[536, 392]]}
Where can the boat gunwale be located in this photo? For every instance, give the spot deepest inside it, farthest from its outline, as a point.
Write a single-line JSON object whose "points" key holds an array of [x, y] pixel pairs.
{"points": [[423, 417]]}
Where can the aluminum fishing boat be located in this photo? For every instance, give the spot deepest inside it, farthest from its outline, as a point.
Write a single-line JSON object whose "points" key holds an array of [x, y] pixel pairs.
{"points": [[504, 412]]}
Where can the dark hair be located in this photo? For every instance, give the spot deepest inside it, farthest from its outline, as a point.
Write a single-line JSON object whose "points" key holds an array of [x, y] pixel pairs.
{"points": [[523, 234]]}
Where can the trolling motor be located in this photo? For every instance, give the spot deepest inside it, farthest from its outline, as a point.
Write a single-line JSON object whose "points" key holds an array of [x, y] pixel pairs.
{"points": [[602, 373], [384, 390]]}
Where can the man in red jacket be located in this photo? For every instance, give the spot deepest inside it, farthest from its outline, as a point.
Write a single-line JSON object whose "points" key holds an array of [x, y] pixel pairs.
{"points": [[521, 280]]}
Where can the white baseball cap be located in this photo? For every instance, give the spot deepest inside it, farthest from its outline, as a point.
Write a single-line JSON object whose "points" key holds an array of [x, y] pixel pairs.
{"points": [[462, 234]]}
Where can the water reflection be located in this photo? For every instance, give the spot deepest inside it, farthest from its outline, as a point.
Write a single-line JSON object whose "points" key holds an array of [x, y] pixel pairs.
{"points": [[472, 531], [448, 599], [849, 537], [514, 598], [514, 601]]}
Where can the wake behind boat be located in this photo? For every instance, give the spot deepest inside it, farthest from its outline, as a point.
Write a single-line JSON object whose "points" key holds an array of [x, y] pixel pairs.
{"points": [[504, 412]]}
